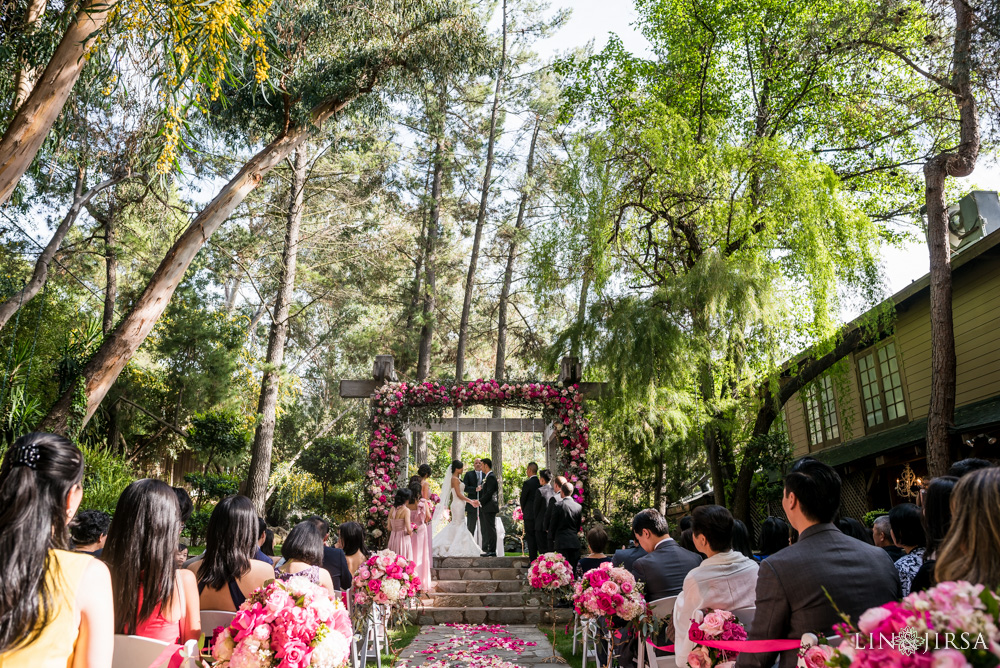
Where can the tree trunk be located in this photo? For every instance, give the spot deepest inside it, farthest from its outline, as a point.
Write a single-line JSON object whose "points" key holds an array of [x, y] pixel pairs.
{"points": [[34, 118], [263, 441], [484, 195], [27, 74], [41, 271], [500, 370], [110, 273], [115, 351], [581, 314], [941, 414], [430, 267], [659, 499]]}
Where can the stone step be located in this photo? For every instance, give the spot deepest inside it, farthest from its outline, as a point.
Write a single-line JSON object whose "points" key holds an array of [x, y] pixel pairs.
{"points": [[427, 616], [473, 600], [476, 573], [481, 562], [477, 586]]}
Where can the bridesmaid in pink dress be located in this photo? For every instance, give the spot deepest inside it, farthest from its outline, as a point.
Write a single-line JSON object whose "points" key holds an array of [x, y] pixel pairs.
{"points": [[420, 514], [399, 525], [425, 493]]}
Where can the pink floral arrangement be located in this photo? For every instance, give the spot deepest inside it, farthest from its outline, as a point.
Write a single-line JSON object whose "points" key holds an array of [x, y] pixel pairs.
{"points": [[291, 624], [393, 401], [387, 579], [606, 591], [550, 572], [716, 625], [952, 625], [435, 499], [518, 514]]}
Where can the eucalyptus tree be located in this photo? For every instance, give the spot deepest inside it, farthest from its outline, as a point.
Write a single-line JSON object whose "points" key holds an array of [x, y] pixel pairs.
{"points": [[346, 51]]}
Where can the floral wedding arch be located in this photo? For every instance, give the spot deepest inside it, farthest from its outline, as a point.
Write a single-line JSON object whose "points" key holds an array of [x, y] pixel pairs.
{"points": [[395, 404]]}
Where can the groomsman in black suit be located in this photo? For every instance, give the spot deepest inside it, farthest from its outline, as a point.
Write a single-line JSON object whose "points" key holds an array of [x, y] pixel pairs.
{"points": [[528, 490], [542, 496], [472, 480], [550, 513], [568, 519], [488, 497], [627, 556]]}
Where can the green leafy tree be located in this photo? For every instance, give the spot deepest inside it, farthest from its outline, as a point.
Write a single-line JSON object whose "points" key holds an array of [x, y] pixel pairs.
{"points": [[219, 436], [334, 461]]}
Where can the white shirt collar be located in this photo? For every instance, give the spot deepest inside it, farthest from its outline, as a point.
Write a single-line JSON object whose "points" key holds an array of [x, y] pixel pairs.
{"points": [[663, 540]]}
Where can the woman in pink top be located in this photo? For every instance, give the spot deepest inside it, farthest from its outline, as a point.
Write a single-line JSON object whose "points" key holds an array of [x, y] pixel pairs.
{"points": [[153, 598]]}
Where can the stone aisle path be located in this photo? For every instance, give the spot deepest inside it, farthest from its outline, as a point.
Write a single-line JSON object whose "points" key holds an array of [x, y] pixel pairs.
{"points": [[477, 646]]}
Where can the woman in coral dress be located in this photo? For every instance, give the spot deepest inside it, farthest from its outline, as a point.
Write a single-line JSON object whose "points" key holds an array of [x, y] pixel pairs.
{"points": [[399, 525], [420, 514]]}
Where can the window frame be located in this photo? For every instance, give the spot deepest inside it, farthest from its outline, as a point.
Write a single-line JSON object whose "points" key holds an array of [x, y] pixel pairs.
{"points": [[823, 441], [873, 351]]}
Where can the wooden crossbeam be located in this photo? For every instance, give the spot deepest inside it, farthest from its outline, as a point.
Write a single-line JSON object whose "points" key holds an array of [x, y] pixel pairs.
{"points": [[467, 424], [363, 389]]}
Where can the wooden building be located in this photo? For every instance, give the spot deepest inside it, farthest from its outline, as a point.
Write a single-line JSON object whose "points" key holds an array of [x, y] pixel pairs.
{"points": [[869, 420]]}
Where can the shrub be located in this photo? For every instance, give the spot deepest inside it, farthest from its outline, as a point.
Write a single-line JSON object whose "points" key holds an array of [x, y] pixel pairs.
{"points": [[212, 487], [105, 477], [197, 525], [872, 515]]}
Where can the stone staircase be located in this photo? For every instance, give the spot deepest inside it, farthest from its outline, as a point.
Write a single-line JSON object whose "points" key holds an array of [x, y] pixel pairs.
{"points": [[484, 590]]}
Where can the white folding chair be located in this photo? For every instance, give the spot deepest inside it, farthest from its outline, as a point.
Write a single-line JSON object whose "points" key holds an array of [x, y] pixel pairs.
{"points": [[662, 609], [586, 630], [213, 619], [745, 615], [139, 652]]}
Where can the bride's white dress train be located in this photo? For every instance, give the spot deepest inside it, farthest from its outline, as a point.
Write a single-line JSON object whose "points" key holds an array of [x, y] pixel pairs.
{"points": [[454, 540]]}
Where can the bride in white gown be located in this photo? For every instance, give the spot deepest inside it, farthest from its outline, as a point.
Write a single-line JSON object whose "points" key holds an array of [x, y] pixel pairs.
{"points": [[453, 539]]}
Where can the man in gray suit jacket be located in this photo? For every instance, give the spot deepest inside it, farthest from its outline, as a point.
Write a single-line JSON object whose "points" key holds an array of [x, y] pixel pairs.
{"points": [[662, 570], [627, 556], [790, 583]]}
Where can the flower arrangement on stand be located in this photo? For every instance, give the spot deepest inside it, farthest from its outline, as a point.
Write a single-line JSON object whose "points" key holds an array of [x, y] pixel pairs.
{"points": [[518, 517], [952, 625], [292, 624], [609, 592], [716, 625], [387, 580], [551, 575], [393, 404]]}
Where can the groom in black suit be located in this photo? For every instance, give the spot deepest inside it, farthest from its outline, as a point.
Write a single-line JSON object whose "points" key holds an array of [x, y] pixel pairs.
{"points": [[472, 480], [488, 510]]}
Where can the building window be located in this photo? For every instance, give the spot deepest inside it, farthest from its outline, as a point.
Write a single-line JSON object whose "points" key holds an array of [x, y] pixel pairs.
{"points": [[821, 413], [881, 387]]}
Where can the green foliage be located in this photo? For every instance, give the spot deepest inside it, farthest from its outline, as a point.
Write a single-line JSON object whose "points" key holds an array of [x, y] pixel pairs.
{"points": [[105, 477], [872, 515], [212, 487], [334, 461], [197, 525], [219, 436]]}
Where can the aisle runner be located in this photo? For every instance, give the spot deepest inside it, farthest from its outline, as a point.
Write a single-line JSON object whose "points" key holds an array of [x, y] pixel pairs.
{"points": [[477, 646]]}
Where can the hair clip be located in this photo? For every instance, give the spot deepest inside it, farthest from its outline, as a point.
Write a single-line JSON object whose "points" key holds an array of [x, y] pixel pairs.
{"points": [[25, 454]]}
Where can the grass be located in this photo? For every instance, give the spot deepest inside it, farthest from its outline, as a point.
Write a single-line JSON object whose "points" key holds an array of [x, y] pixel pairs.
{"points": [[400, 638], [564, 644]]}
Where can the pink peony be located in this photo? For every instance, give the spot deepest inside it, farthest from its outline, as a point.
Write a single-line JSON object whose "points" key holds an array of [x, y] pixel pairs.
{"points": [[699, 658]]}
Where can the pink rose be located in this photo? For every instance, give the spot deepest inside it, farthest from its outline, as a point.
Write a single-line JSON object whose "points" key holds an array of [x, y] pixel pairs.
{"points": [[294, 654], [870, 619], [246, 620], [713, 623], [699, 658], [949, 658], [817, 656]]}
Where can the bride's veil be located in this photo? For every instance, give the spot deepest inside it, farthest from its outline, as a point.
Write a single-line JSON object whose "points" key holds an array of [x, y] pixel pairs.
{"points": [[437, 519]]}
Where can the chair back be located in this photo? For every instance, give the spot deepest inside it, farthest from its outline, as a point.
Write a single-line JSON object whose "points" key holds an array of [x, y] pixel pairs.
{"points": [[662, 608], [138, 652], [213, 619], [745, 615]]}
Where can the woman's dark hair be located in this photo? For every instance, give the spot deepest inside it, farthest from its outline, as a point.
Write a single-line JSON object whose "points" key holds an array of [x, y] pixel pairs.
{"points": [[597, 539], [352, 538], [424, 470], [268, 546], [184, 503], [686, 541], [415, 489], [907, 524], [400, 498], [37, 474], [304, 543], [937, 511], [773, 536], [141, 551], [715, 524], [230, 542], [88, 526], [457, 465], [855, 529], [741, 539]]}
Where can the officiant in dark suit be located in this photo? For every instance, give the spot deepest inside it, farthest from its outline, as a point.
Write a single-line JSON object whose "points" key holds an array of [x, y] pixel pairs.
{"points": [[472, 480], [488, 498], [528, 490], [542, 496]]}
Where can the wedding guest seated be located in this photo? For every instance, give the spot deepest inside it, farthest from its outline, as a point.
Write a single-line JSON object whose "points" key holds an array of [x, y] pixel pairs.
{"points": [[685, 523], [153, 599], [259, 554], [184, 503], [792, 584], [182, 555], [855, 529], [334, 560], [352, 542], [666, 565], [961, 467], [970, 550], [40, 490], [937, 520], [725, 580], [907, 529], [686, 541], [627, 556], [597, 541], [303, 553], [268, 546], [882, 537], [741, 540], [89, 531], [227, 574], [773, 536]]}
